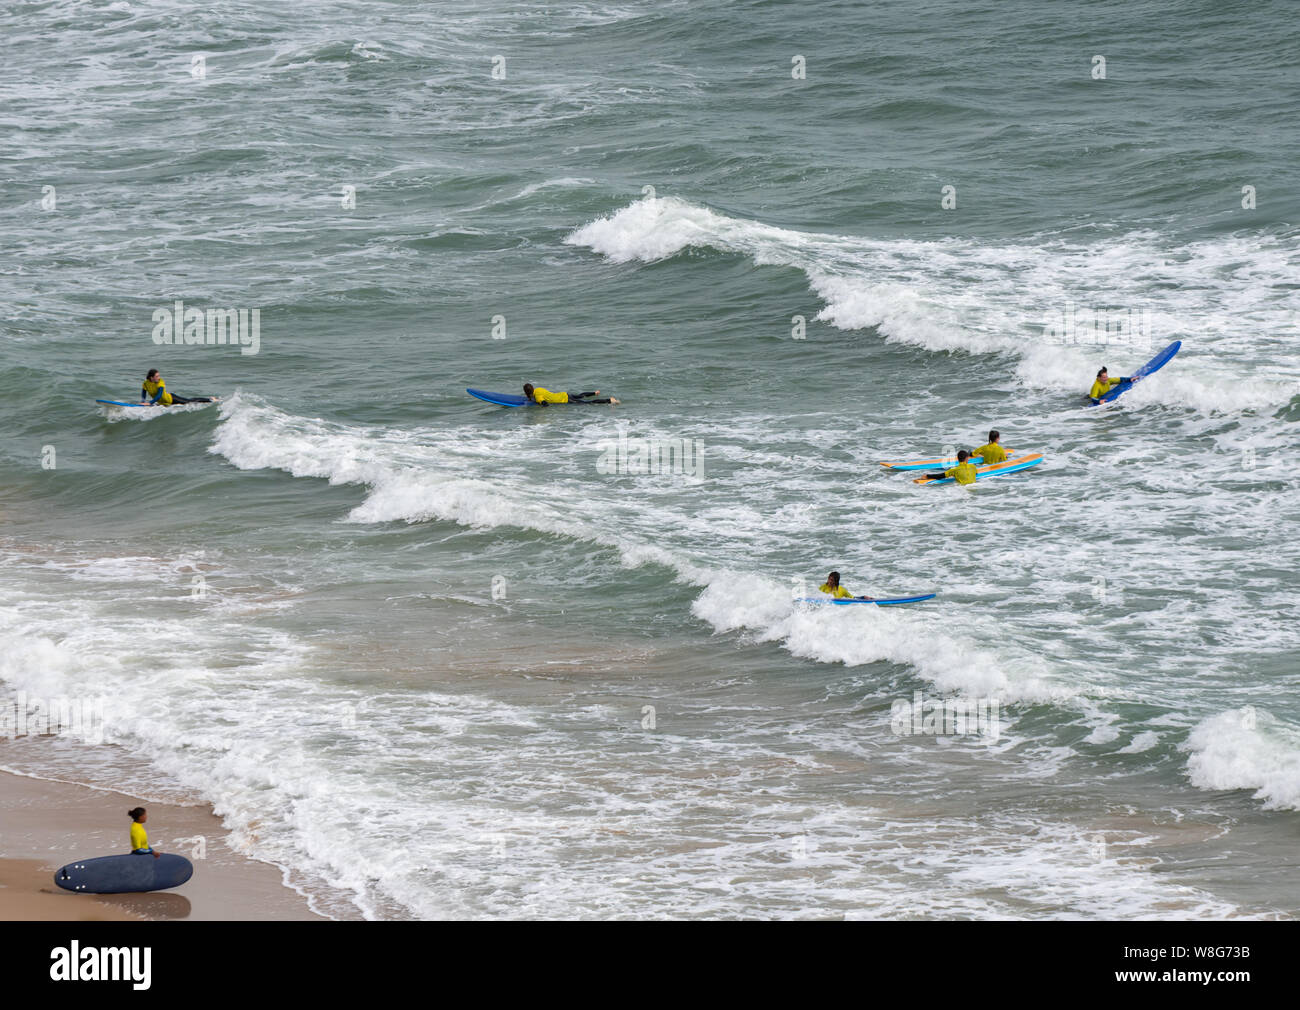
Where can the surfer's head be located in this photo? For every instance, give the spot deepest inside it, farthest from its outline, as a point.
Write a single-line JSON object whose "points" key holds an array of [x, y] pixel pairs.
{"points": [[963, 455], [994, 435], [1102, 373], [833, 579], [151, 375], [138, 814], [528, 390]]}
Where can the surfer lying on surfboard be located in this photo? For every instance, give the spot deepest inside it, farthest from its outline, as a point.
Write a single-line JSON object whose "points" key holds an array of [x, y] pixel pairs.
{"points": [[154, 391], [964, 472], [832, 586], [542, 396], [1103, 384]]}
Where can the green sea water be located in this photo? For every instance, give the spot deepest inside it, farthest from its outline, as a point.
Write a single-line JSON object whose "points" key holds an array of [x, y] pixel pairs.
{"points": [[550, 679]]}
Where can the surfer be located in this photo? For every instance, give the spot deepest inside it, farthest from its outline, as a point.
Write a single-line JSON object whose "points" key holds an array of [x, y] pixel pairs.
{"points": [[832, 586], [992, 452], [140, 837], [536, 394], [963, 473], [154, 391], [1103, 384]]}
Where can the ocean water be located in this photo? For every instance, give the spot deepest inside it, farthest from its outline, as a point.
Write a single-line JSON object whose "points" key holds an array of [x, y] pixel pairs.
{"points": [[434, 659]]}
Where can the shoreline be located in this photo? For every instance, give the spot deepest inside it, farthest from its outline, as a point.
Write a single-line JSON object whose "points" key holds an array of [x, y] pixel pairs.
{"points": [[46, 823]]}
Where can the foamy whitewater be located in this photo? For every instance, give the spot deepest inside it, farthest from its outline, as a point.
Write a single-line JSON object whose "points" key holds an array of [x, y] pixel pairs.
{"points": [[439, 659]]}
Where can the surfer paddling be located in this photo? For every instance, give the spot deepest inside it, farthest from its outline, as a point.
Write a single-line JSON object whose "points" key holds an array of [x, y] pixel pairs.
{"points": [[832, 586], [1104, 384], [538, 395], [964, 472], [140, 837], [154, 392]]}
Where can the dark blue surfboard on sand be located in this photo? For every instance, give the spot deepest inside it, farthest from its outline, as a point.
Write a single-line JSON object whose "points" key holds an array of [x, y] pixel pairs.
{"points": [[500, 399], [125, 873]]}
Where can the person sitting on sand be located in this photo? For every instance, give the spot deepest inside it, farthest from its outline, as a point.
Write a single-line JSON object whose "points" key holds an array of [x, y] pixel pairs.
{"points": [[1103, 384], [963, 473], [536, 394], [139, 837], [992, 451], [154, 391], [832, 586]]}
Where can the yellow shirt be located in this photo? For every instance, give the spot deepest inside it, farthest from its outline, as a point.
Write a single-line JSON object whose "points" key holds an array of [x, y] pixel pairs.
{"points": [[541, 395], [839, 592], [1098, 390], [992, 453], [963, 473], [150, 390], [139, 838]]}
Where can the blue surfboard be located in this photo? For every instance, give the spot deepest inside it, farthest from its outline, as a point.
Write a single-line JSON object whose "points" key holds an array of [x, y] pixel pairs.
{"points": [[500, 399], [878, 603], [1154, 365], [137, 403], [136, 871]]}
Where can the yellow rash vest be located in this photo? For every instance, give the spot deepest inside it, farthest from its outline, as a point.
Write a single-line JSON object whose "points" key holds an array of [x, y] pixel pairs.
{"points": [[962, 473], [156, 391], [992, 453]]}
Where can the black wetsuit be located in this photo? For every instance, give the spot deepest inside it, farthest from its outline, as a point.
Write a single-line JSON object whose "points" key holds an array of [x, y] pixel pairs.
{"points": [[586, 398]]}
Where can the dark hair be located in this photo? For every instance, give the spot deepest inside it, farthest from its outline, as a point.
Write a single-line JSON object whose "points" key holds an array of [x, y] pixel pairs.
{"points": [[528, 390], [994, 435], [135, 814], [833, 577], [150, 374], [963, 455], [1101, 371]]}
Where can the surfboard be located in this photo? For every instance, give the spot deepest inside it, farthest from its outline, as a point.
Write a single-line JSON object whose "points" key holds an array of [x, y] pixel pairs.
{"points": [[996, 470], [124, 873], [1154, 365], [500, 399], [878, 603], [928, 464], [137, 403]]}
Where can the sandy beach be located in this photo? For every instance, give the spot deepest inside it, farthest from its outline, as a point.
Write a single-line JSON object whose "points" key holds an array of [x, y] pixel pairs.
{"points": [[45, 824]]}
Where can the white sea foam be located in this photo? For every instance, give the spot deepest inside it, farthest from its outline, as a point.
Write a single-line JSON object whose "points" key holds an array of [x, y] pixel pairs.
{"points": [[457, 793], [410, 482], [963, 295], [1248, 749], [861, 635], [440, 474], [114, 414]]}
